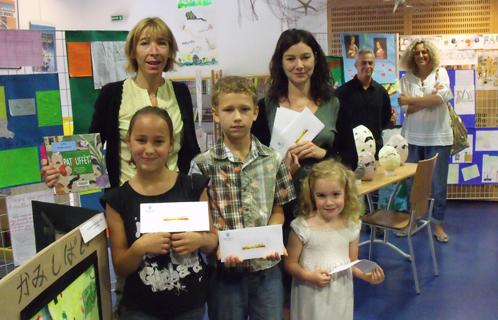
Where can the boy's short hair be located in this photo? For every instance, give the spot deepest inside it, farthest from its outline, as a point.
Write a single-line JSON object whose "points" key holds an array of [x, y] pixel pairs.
{"points": [[233, 84]]}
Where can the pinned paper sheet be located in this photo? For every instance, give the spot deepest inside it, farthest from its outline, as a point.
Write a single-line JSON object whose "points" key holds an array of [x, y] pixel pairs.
{"points": [[470, 172], [19, 166], [453, 172], [49, 108], [21, 223], [79, 59]]}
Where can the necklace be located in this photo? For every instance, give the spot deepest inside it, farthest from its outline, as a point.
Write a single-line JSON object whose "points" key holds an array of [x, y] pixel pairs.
{"points": [[298, 107]]}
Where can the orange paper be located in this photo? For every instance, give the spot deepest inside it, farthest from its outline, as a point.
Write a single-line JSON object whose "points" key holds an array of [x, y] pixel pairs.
{"points": [[79, 59]]}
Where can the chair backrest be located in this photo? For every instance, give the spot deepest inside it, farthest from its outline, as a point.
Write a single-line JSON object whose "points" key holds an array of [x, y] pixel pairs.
{"points": [[422, 186]]}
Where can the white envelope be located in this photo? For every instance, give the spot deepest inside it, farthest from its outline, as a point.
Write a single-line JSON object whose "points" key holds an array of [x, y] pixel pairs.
{"points": [[251, 243], [174, 217], [306, 126]]}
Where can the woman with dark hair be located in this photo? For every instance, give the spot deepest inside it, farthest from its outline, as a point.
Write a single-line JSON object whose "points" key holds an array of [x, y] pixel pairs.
{"points": [[425, 91], [299, 79]]}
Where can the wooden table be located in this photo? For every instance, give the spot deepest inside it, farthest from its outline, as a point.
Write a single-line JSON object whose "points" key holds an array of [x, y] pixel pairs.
{"points": [[381, 180]]}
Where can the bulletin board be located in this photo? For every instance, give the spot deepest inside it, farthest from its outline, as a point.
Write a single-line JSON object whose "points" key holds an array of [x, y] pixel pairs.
{"points": [[30, 280], [30, 106], [83, 93]]}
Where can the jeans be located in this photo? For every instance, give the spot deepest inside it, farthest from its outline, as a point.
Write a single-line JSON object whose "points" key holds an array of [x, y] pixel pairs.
{"points": [[439, 179], [238, 295], [194, 314]]}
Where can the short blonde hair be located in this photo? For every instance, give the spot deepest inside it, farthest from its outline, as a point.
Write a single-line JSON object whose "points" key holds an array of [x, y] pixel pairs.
{"points": [[233, 84], [331, 170], [408, 62], [156, 27]]}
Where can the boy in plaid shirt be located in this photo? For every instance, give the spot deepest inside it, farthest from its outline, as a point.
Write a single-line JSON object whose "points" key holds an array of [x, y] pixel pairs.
{"points": [[249, 184]]}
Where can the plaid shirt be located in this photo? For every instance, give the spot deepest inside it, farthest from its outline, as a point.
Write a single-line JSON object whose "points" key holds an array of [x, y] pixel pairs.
{"points": [[243, 194]]}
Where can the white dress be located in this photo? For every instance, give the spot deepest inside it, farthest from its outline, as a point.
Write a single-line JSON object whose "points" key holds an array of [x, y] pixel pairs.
{"points": [[324, 249]]}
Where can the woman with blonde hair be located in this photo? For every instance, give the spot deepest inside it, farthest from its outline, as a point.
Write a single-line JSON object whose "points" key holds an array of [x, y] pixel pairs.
{"points": [[425, 91]]}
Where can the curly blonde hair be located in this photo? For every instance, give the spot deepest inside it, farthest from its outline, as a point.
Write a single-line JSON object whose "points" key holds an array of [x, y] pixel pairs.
{"points": [[331, 170], [408, 62]]}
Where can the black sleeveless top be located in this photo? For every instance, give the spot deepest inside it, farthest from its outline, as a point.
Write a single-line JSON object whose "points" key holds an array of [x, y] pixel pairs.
{"points": [[163, 284]]}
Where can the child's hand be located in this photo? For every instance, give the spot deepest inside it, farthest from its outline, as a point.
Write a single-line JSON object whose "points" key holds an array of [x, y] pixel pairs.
{"points": [[49, 174], [320, 278], [186, 242], [275, 256], [232, 261], [376, 276], [158, 243]]}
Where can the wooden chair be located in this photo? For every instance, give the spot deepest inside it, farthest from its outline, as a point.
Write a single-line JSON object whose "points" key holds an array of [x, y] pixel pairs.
{"points": [[421, 206]]}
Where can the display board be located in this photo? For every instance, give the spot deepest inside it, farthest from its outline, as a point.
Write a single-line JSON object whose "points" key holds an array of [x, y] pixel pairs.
{"points": [[83, 92], [25, 288]]}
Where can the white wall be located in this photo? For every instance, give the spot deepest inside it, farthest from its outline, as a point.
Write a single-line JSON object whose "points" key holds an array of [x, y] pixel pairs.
{"points": [[243, 49]]}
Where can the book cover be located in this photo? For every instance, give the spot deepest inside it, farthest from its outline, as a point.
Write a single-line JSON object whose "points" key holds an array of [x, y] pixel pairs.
{"points": [[80, 160]]}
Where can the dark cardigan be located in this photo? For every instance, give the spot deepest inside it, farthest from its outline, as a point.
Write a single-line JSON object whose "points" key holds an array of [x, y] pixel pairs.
{"points": [[106, 121]]}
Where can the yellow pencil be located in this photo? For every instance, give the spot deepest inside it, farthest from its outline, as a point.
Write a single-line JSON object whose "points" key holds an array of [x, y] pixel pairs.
{"points": [[302, 135]]}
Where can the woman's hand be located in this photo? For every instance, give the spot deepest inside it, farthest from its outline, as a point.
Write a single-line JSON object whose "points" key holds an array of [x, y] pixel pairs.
{"points": [[292, 162], [157, 243], [307, 149], [186, 242], [49, 174], [376, 276], [404, 99], [320, 278]]}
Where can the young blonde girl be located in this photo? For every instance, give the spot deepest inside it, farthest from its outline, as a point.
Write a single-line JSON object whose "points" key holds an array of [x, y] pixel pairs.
{"points": [[323, 237], [165, 275]]}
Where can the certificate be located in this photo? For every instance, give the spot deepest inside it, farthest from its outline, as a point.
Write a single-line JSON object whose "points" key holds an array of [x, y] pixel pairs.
{"points": [[174, 217], [251, 243]]}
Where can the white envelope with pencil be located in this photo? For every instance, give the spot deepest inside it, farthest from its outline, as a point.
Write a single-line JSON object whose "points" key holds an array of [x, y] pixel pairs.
{"points": [[304, 127]]}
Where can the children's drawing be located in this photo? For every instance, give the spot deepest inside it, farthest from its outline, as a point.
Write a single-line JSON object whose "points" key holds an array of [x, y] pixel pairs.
{"points": [[489, 169], [486, 70], [197, 36]]}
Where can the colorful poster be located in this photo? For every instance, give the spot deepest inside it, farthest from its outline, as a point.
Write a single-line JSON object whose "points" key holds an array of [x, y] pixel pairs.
{"points": [[486, 70], [196, 33], [8, 14], [393, 91], [48, 46], [384, 48], [462, 41]]}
